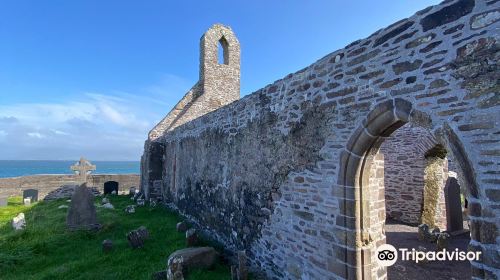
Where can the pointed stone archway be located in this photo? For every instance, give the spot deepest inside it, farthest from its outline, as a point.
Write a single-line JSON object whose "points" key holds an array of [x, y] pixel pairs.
{"points": [[359, 208]]}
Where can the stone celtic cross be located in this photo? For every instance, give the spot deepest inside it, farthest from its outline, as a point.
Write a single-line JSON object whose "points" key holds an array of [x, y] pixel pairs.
{"points": [[83, 168]]}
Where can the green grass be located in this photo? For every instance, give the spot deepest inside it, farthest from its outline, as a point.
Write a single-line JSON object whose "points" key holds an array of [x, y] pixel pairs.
{"points": [[46, 250]]}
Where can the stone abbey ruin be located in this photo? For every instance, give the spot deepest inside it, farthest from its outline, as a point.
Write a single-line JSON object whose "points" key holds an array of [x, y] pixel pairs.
{"points": [[303, 173]]}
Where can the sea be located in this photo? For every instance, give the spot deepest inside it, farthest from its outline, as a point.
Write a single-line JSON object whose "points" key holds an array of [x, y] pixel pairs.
{"points": [[15, 168]]}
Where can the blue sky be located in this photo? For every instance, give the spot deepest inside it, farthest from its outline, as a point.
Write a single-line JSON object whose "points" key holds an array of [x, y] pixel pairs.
{"points": [[92, 77]]}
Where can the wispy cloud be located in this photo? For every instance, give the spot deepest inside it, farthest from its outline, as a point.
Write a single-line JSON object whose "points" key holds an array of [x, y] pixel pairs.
{"points": [[96, 125]]}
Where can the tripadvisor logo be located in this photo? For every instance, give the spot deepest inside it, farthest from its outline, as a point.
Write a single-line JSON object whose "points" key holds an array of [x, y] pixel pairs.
{"points": [[387, 255]]}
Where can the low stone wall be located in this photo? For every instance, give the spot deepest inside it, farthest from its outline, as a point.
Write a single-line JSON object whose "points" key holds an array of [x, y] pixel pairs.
{"points": [[48, 183]]}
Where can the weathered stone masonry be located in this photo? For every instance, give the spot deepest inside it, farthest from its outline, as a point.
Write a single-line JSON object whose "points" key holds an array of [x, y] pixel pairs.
{"points": [[285, 172]]}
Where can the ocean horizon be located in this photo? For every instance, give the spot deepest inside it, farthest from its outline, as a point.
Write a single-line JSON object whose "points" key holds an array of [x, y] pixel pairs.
{"points": [[16, 168]]}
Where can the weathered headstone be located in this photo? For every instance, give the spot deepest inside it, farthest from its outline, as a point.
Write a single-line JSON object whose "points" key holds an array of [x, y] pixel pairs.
{"points": [[160, 275], [111, 187], [131, 191], [108, 206], [143, 232], [191, 237], [442, 241], [184, 260], [422, 232], [130, 209], [140, 202], [175, 268], [181, 227], [137, 237], [3, 201], [82, 169], [18, 222], [27, 201], [107, 245], [82, 213], [152, 202], [454, 217], [31, 193]]}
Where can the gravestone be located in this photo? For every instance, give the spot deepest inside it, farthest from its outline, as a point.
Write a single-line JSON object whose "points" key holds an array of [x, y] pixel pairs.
{"points": [[27, 201], [3, 201], [107, 245], [110, 187], [453, 205], [191, 237], [131, 191], [82, 213], [137, 237], [82, 169], [19, 222], [32, 193]]}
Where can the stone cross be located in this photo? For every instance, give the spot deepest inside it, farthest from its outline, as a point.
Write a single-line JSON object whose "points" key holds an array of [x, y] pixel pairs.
{"points": [[83, 168]]}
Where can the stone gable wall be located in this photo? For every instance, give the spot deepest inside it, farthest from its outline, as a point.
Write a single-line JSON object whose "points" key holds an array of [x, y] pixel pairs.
{"points": [[267, 173]]}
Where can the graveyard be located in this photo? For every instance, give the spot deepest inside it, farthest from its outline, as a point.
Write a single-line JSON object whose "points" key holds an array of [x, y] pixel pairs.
{"points": [[45, 249], [383, 147]]}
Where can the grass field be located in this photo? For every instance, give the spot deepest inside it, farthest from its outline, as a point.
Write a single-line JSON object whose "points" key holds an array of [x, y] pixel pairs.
{"points": [[46, 250]]}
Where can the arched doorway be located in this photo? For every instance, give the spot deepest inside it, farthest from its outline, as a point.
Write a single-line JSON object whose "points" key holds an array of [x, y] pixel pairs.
{"points": [[362, 213], [111, 187]]}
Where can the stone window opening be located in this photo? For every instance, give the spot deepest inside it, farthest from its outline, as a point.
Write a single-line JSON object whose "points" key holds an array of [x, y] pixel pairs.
{"points": [[223, 51]]}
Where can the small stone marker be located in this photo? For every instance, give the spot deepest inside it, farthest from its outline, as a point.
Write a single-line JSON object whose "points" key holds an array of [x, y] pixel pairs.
{"points": [[31, 193], [422, 231], [152, 202], [454, 215], [18, 222], [160, 275], [27, 201], [131, 191], [107, 245], [137, 195], [63, 206], [140, 202], [130, 209], [108, 206], [175, 269], [442, 241], [181, 227], [190, 258], [82, 213], [191, 237], [137, 237], [3, 201]]}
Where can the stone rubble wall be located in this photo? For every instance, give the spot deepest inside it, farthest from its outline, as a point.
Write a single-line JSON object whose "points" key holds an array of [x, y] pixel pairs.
{"points": [[264, 173], [46, 184], [404, 174]]}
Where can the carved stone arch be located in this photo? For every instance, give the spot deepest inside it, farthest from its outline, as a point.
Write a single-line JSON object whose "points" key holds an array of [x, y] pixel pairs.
{"points": [[359, 241]]}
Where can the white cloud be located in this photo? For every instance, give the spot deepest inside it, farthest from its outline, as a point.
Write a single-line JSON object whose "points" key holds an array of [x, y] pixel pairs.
{"points": [[110, 126], [36, 135]]}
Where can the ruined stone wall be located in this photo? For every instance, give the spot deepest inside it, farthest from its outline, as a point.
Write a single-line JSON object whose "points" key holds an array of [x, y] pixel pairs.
{"points": [[47, 183], [219, 85], [268, 173], [404, 174]]}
